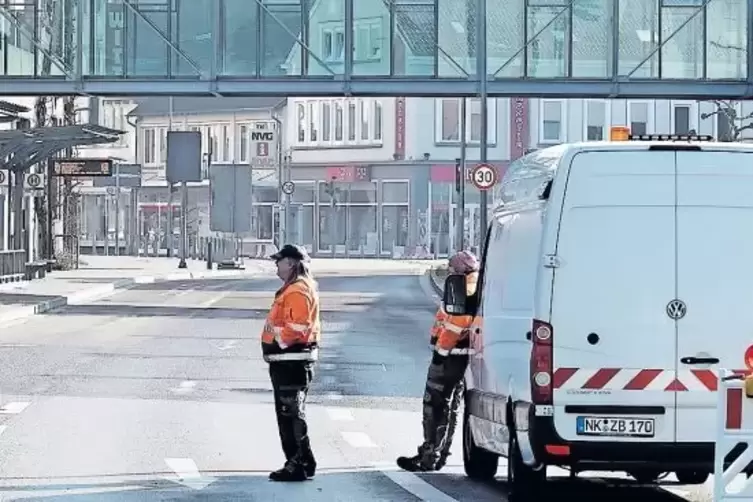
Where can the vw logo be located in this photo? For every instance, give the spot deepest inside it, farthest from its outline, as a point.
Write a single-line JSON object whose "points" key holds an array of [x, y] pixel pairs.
{"points": [[676, 309]]}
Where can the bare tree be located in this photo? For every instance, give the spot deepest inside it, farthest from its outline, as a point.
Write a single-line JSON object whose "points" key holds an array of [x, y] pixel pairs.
{"points": [[734, 123], [55, 33]]}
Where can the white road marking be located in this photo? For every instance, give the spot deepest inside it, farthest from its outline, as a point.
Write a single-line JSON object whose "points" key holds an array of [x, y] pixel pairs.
{"points": [[334, 396], [13, 408], [185, 387], [227, 344], [216, 299], [358, 439], [2, 429], [188, 473], [418, 487], [327, 366], [340, 414]]}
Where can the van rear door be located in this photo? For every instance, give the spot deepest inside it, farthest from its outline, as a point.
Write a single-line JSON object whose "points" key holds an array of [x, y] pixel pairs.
{"points": [[715, 279], [614, 345]]}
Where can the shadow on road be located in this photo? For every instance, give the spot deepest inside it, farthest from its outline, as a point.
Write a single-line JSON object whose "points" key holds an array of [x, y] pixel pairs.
{"points": [[25, 299], [355, 483]]}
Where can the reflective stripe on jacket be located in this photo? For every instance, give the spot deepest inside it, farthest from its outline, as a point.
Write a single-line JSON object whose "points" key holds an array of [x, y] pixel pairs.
{"points": [[293, 329], [453, 336]]}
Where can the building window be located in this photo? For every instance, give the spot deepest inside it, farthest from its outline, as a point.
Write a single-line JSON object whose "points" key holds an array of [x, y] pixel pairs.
{"points": [[681, 118], [552, 130], [339, 119], [313, 123], [225, 143], [448, 121], [364, 120], [377, 121], [326, 121], [351, 121], [113, 115], [596, 120], [449, 111], [301, 123], [341, 123], [150, 146], [638, 117], [333, 44], [161, 145], [367, 41], [243, 142]]}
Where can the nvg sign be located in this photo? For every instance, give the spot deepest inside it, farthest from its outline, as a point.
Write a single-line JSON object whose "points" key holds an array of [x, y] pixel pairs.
{"points": [[262, 136]]}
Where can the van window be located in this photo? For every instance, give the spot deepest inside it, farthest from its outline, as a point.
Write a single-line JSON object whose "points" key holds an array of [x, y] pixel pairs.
{"points": [[493, 268], [520, 259]]}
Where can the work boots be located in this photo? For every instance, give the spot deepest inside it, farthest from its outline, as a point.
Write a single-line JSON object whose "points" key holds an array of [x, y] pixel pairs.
{"points": [[423, 462], [291, 472]]}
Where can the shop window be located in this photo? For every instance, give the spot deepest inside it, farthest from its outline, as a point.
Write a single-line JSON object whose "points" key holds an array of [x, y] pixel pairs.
{"points": [[304, 192], [362, 193], [395, 192], [265, 194]]}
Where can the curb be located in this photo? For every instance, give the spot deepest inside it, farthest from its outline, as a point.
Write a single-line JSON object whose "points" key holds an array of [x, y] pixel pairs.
{"points": [[108, 289], [435, 282]]}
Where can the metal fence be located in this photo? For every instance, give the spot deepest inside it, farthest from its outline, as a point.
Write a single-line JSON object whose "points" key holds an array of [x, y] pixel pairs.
{"points": [[12, 265]]}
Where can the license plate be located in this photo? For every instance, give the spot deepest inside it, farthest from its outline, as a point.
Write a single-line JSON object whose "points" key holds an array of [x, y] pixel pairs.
{"points": [[613, 426]]}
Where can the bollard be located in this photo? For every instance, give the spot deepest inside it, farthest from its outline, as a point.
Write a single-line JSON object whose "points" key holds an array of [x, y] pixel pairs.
{"points": [[209, 255]]}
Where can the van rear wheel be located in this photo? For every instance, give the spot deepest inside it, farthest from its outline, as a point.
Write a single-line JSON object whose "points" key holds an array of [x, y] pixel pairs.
{"points": [[479, 464], [524, 482]]}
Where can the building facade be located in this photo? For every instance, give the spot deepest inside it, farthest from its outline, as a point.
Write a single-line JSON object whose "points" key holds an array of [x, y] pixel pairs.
{"points": [[389, 162]]}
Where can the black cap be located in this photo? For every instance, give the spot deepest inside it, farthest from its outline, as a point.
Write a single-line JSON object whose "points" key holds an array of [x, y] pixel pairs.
{"points": [[291, 251]]}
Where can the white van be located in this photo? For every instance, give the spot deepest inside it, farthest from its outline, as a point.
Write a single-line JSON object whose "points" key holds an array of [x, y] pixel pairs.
{"points": [[617, 277]]}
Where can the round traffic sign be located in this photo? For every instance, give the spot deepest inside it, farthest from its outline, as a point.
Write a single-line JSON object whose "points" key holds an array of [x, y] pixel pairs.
{"points": [[111, 191], [484, 176], [34, 180], [2, 177], [288, 187]]}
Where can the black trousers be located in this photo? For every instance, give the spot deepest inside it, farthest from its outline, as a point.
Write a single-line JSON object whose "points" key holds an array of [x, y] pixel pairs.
{"points": [[442, 398], [290, 384]]}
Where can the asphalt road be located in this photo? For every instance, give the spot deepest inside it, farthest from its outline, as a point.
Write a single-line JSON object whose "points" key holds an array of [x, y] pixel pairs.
{"points": [[159, 393]]}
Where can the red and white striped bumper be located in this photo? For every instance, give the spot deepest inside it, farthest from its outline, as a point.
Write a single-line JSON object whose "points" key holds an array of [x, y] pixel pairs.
{"points": [[615, 379]]}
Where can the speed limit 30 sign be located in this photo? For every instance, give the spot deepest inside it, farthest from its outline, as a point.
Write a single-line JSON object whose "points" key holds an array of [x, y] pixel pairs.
{"points": [[484, 176]]}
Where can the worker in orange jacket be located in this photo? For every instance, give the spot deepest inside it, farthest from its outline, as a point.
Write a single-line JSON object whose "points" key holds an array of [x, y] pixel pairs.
{"points": [[290, 344], [444, 381]]}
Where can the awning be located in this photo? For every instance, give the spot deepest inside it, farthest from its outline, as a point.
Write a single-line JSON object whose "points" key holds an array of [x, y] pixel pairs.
{"points": [[21, 149]]}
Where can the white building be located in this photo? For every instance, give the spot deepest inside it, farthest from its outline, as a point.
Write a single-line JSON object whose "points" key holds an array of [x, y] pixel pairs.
{"points": [[392, 161]]}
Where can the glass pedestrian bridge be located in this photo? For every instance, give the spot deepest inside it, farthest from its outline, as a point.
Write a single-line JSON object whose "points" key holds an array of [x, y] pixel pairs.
{"points": [[693, 49]]}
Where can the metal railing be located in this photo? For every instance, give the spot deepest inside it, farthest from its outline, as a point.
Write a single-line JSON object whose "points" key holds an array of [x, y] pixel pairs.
{"points": [[12, 264]]}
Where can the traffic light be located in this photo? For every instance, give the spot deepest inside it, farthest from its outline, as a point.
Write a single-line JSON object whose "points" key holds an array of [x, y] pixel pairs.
{"points": [[458, 175]]}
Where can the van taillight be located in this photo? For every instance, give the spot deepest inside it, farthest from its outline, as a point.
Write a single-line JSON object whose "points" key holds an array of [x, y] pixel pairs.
{"points": [[541, 362]]}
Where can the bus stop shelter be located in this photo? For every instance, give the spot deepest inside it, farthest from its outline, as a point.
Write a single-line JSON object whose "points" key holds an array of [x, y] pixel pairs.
{"points": [[22, 150]]}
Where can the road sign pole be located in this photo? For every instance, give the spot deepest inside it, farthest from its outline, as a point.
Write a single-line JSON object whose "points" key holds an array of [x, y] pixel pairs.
{"points": [[288, 197], [483, 74], [117, 209], [460, 222], [183, 224]]}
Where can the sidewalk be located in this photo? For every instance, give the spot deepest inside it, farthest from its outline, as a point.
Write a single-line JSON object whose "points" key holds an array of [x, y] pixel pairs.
{"points": [[100, 276]]}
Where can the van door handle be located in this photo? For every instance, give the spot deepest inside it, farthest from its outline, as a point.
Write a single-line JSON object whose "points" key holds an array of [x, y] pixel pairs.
{"points": [[699, 360]]}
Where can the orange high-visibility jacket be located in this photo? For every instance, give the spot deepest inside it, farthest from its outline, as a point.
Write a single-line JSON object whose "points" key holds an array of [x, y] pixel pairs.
{"points": [[293, 328], [439, 319], [453, 334]]}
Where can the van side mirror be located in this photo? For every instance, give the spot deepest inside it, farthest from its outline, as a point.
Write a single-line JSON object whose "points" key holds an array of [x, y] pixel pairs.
{"points": [[455, 298]]}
